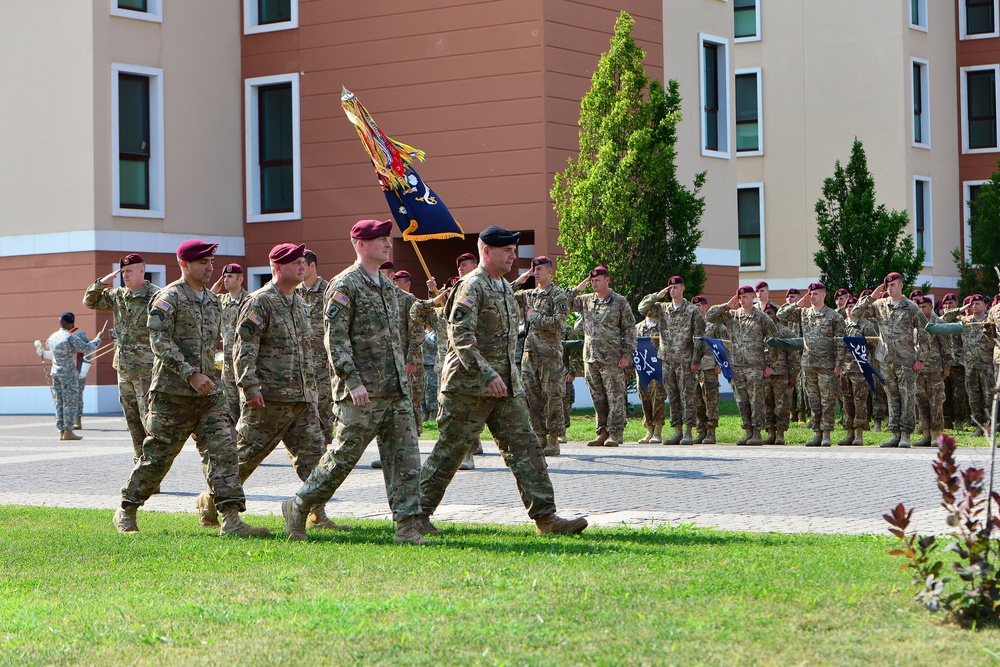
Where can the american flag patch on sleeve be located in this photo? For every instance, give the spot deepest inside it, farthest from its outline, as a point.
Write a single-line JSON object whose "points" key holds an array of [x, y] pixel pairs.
{"points": [[340, 298], [466, 301], [162, 305], [255, 318]]}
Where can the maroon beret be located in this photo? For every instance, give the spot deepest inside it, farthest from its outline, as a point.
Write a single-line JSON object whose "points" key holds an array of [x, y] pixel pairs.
{"points": [[387, 265], [598, 271], [231, 269], [402, 274], [865, 292], [793, 290], [841, 292], [967, 300], [920, 299], [761, 283], [286, 253], [464, 256], [892, 276], [770, 306], [366, 230], [816, 286], [950, 296], [699, 299], [745, 289], [675, 280], [850, 301], [195, 249], [131, 258], [451, 282], [541, 259], [915, 293]]}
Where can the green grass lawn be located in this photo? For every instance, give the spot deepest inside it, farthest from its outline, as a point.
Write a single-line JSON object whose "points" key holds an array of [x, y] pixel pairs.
{"points": [[73, 591]]}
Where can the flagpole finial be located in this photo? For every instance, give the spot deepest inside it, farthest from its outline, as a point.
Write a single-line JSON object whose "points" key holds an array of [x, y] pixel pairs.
{"points": [[345, 94]]}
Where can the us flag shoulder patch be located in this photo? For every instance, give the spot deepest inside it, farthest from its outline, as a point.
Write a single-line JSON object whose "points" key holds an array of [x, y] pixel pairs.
{"points": [[255, 318], [162, 305], [340, 298], [466, 301]]}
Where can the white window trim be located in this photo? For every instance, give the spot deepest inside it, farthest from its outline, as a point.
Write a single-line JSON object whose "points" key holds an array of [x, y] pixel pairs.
{"points": [[726, 108], [252, 273], [157, 180], [250, 18], [756, 35], [763, 245], [962, 28], [760, 112], [922, 27], [925, 103], [252, 149], [153, 13], [966, 196], [928, 218], [964, 110], [157, 271]]}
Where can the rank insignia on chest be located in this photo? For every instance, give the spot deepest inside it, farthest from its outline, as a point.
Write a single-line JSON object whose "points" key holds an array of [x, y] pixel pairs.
{"points": [[340, 298], [162, 305], [466, 301], [255, 318]]}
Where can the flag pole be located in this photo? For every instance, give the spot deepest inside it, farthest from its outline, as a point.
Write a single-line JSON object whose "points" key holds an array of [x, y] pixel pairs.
{"points": [[420, 257]]}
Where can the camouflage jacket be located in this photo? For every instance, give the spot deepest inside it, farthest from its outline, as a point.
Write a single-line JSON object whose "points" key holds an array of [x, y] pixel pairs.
{"points": [[977, 339], [230, 311], [680, 326], [65, 345], [544, 325], [936, 350], [993, 315], [708, 362], [133, 356], [183, 332], [362, 335], [648, 328], [747, 331], [858, 328], [820, 328], [608, 327], [482, 336], [896, 323], [414, 316], [781, 360], [313, 296], [572, 359], [273, 354]]}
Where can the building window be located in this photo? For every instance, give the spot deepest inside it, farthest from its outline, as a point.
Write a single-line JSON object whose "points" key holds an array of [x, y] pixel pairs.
{"points": [[143, 10], [748, 113], [272, 148], [137, 141], [746, 15], [257, 277], [979, 108], [971, 191], [750, 218], [269, 15], [918, 14], [922, 217], [715, 96], [977, 19], [921, 104]]}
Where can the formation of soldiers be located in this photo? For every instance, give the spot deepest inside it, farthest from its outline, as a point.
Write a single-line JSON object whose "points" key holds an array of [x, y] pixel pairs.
{"points": [[361, 352]]}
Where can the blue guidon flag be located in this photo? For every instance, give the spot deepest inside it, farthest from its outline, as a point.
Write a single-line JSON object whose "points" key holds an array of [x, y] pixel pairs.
{"points": [[859, 348], [647, 364], [721, 358]]}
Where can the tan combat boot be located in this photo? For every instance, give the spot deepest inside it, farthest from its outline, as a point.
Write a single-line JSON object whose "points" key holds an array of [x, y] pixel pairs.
{"points": [[425, 526], [601, 438], [709, 436], [657, 435], [847, 439], [779, 437], [702, 432], [825, 440], [925, 440], [124, 520], [687, 439], [408, 531], [904, 440], [878, 426], [551, 446], [552, 525], [69, 435], [562, 439], [859, 438], [772, 436], [893, 441], [646, 438], [676, 438], [817, 439], [232, 524], [295, 514], [78, 424], [318, 519], [755, 439], [477, 446], [468, 463], [207, 514], [746, 437], [615, 439]]}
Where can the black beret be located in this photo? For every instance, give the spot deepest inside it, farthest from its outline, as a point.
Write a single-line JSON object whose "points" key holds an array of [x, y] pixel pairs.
{"points": [[499, 237]]}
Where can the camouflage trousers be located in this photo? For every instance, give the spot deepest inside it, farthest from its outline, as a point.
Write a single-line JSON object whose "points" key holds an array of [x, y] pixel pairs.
{"points": [[170, 421], [707, 399], [748, 389], [569, 398], [956, 400], [607, 390], [901, 395], [930, 400], [261, 429], [678, 384], [133, 394], [390, 420], [324, 408], [879, 401], [461, 419], [776, 409], [67, 399], [822, 388], [231, 390], [430, 405], [854, 390], [416, 389], [544, 385], [652, 399], [979, 388]]}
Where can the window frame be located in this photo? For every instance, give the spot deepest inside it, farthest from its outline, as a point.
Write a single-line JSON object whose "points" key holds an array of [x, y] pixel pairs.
{"points": [[925, 102], [158, 273], [253, 273], [157, 182], [153, 13], [724, 109], [759, 186], [966, 197], [963, 29], [964, 110], [760, 112], [252, 26], [928, 208], [921, 11], [252, 148], [750, 38]]}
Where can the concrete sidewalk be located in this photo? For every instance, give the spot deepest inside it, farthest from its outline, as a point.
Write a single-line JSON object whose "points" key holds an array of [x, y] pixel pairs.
{"points": [[785, 489]]}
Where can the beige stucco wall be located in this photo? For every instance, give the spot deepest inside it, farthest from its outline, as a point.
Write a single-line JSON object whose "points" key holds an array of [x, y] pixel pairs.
{"points": [[46, 117]]}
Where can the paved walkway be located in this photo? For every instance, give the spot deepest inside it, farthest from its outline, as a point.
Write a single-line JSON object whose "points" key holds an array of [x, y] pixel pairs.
{"points": [[786, 489]]}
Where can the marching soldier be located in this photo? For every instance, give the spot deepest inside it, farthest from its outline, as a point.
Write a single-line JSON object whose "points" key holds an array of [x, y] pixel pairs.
{"points": [[311, 291], [652, 397], [232, 298], [414, 315], [707, 389], [65, 345], [853, 387], [133, 357], [977, 357], [936, 352], [184, 322], [783, 366]]}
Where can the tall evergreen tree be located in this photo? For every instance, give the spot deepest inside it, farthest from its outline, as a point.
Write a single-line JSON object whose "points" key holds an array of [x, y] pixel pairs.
{"points": [[620, 203], [860, 242], [977, 275]]}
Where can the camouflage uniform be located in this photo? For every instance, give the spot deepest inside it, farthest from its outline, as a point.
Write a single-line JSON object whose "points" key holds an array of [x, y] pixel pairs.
{"points": [[679, 326], [707, 390], [879, 401], [365, 348], [230, 311], [573, 365], [977, 358], [65, 345], [748, 356], [776, 416], [430, 348], [936, 351], [414, 315], [897, 351], [313, 296], [183, 331], [542, 365], [822, 352], [956, 400], [853, 387], [609, 335], [273, 359], [482, 329], [653, 397]]}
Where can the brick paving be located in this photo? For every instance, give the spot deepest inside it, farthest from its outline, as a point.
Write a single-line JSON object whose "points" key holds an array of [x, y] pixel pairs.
{"points": [[785, 489]]}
